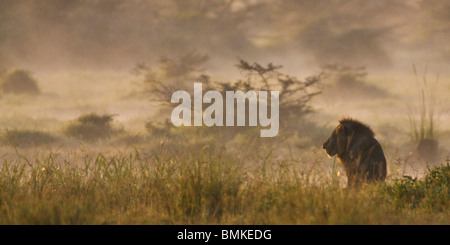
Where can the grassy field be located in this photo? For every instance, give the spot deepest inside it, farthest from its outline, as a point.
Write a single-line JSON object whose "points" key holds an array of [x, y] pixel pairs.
{"points": [[86, 129], [206, 187], [65, 159]]}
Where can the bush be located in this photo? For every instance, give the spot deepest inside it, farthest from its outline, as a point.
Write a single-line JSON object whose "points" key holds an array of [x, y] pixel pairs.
{"points": [[158, 129], [26, 138], [19, 82], [432, 191], [91, 127]]}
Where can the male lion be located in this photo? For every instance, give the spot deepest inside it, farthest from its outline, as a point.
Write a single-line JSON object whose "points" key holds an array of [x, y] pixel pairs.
{"points": [[358, 151]]}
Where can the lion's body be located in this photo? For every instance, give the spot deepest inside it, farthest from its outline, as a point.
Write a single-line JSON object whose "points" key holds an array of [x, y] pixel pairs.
{"points": [[358, 151]]}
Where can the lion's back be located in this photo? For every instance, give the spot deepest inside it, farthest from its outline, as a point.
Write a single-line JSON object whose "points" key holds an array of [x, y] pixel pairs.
{"points": [[366, 154], [379, 161]]}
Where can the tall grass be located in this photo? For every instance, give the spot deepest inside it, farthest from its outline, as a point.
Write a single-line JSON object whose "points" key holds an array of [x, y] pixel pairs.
{"points": [[424, 127], [201, 187]]}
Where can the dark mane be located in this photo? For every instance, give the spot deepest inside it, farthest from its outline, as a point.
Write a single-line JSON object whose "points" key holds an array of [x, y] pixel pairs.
{"points": [[357, 126], [358, 151]]}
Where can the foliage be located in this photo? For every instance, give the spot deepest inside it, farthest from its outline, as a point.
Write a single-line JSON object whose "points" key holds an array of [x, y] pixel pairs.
{"points": [[204, 187], [26, 138], [91, 127], [424, 127], [158, 129], [432, 191], [172, 74], [423, 118], [19, 82], [294, 93], [180, 74]]}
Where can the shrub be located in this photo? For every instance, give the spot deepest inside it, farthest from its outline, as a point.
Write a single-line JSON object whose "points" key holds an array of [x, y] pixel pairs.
{"points": [[433, 190], [26, 138], [19, 82], [158, 129], [91, 127]]}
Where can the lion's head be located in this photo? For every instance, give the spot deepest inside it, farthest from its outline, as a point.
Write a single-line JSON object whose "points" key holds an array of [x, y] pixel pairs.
{"points": [[357, 150], [348, 134], [337, 142]]}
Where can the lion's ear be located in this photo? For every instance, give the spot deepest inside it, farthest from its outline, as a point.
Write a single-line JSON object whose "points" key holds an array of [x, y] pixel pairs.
{"points": [[341, 140]]}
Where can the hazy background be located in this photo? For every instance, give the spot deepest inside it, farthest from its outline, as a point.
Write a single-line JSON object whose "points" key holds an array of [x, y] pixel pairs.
{"points": [[115, 34], [82, 54]]}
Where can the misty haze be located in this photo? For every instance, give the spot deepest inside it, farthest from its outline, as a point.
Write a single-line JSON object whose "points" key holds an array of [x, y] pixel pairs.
{"points": [[85, 111]]}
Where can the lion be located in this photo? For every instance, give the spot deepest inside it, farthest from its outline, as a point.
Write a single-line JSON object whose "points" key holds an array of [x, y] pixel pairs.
{"points": [[358, 151]]}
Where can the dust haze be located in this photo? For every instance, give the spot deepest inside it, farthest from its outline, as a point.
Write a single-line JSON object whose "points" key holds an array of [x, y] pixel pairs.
{"points": [[115, 34], [374, 60]]}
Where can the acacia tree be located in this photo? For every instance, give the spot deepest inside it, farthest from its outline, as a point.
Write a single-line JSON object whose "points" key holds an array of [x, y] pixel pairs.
{"points": [[180, 73], [172, 74], [295, 94]]}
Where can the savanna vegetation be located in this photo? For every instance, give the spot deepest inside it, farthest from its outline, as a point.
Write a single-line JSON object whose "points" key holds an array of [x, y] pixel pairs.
{"points": [[93, 171], [207, 187], [85, 130]]}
